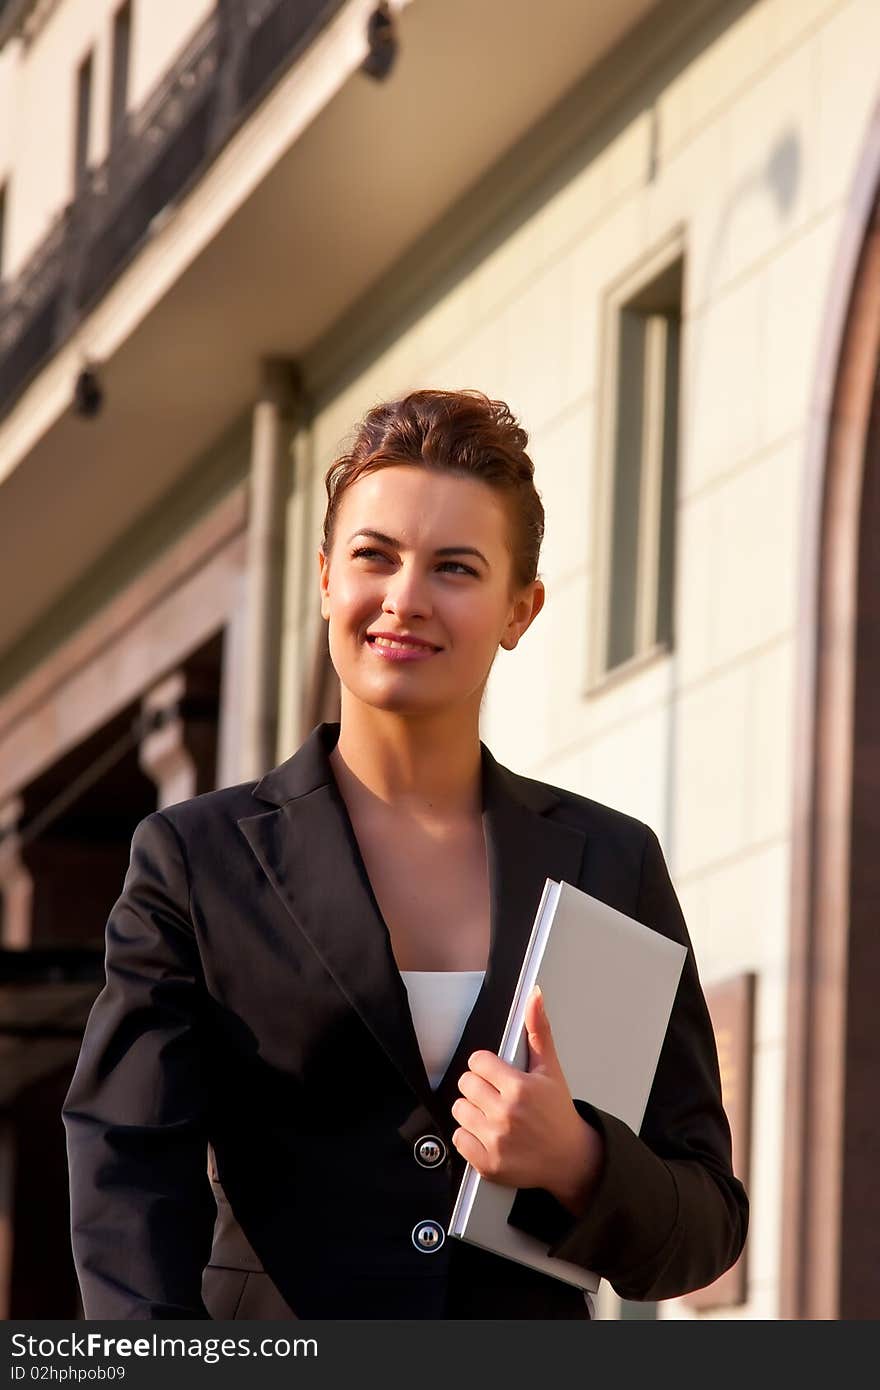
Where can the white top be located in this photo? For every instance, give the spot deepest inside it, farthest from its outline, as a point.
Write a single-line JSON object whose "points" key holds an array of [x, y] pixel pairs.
{"points": [[440, 1002]]}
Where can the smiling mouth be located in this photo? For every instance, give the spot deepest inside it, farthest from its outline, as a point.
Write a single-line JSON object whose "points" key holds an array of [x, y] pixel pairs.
{"points": [[403, 646]]}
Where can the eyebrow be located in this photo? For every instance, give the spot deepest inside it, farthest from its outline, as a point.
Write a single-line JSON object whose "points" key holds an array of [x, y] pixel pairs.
{"points": [[444, 550]]}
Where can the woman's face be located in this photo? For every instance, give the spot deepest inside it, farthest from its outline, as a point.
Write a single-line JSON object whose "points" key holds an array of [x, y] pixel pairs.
{"points": [[424, 555]]}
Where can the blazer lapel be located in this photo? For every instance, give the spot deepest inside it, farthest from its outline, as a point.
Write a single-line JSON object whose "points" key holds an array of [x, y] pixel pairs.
{"points": [[309, 853], [307, 848]]}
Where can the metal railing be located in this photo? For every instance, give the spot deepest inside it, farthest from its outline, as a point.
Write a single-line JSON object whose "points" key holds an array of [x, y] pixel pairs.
{"points": [[162, 149]]}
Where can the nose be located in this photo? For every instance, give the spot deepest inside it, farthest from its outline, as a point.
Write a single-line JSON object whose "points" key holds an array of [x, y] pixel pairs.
{"points": [[407, 594]]}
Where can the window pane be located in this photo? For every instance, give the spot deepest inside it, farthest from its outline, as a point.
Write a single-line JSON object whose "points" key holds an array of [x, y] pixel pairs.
{"points": [[666, 565], [119, 80], [644, 467], [83, 122], [627, 489]]}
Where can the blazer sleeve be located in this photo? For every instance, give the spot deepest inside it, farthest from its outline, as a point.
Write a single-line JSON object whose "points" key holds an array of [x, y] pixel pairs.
{"points": [[668, 1215], [135, 1115]]}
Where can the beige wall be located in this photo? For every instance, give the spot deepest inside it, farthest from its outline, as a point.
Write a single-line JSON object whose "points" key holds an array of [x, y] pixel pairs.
{"points": [[757, 141], [37, 101]]}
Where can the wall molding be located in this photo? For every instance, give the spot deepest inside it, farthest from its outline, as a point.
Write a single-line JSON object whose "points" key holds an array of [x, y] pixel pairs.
{"points": [[184, 596]]}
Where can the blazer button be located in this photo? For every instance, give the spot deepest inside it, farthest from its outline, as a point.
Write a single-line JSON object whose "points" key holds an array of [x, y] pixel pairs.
{"points": [[428, 1236], [429, 1151]]}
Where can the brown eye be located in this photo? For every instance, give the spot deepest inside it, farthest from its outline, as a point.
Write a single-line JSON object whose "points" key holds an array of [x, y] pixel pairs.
{"points": [[464, 569], [366, 551]]}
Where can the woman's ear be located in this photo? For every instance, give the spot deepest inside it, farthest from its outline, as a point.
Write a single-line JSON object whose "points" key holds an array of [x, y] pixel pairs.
{"points": [[526, 608], [324, 576]]}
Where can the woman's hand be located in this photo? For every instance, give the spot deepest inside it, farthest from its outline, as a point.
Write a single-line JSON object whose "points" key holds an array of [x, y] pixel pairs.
{"points": [[521, 1128]]}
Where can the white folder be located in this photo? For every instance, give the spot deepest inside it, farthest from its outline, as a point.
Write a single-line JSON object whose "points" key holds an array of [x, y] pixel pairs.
{"points": [[609, 984]]}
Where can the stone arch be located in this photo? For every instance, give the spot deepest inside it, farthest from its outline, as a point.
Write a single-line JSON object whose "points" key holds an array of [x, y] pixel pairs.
{"points": [[831, 1209]]}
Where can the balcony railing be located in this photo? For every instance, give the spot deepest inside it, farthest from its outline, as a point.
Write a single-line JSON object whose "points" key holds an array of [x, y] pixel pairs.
{"points": [[163, 149]]}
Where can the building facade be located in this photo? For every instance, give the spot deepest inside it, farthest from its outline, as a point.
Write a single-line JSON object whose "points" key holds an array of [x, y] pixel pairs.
{"points": [[651, 228]]}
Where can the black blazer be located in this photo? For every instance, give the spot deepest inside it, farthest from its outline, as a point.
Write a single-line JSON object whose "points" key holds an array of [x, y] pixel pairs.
{"points": [[253, 1004]]}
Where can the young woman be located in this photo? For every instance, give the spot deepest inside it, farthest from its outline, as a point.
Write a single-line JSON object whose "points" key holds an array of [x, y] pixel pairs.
{"points": [[307, 977]]}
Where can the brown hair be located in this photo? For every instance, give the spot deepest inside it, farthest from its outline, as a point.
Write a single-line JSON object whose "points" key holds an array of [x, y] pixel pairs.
{"points": [[461, 432]]}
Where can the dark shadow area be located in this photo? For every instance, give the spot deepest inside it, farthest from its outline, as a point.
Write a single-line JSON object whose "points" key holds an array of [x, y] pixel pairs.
{"points": [[75, 833]]}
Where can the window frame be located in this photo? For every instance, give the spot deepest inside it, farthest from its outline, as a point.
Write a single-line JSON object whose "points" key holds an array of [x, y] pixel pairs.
{"points": [[622, 296]]}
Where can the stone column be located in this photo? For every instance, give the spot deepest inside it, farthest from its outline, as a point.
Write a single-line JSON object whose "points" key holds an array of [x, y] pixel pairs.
{"points": [[16, 883], [269, 487], [178, 752]]}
